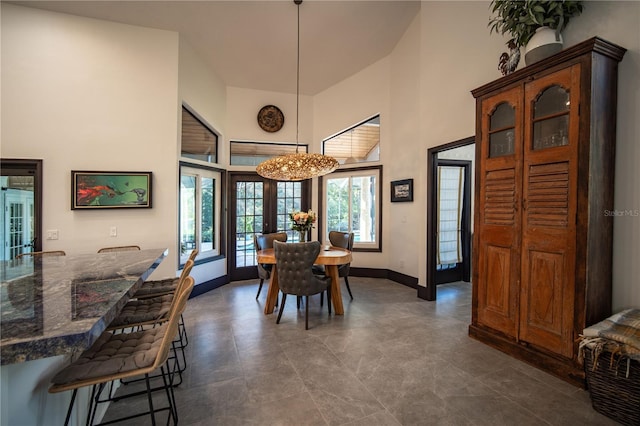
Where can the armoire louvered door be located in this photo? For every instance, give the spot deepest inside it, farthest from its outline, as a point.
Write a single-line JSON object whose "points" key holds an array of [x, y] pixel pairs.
{"points": [[500, 192], [549, 197], [542, 250]]}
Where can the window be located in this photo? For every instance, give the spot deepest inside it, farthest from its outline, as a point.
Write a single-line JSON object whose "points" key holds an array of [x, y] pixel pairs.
{"points": [[254, 153], [198, 141], [352, 203], [359, 144], [199, 209]]}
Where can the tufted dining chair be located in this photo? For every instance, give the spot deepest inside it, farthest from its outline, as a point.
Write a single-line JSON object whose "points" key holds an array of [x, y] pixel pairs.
{"points": [[295, 276], [262, 242]]}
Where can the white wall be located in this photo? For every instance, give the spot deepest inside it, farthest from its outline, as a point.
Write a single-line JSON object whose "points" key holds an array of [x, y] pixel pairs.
{"points": [[351, 101], [242, 112], [206, 95], [405, 227], [85, 94]]}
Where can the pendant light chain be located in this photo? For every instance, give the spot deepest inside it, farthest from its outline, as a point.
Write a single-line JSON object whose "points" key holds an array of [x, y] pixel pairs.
{"points": [[298, 166], [298, 78]]}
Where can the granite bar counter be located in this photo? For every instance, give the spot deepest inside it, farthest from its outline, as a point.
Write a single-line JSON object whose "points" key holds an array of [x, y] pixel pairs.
{"points": [[59, 305]]}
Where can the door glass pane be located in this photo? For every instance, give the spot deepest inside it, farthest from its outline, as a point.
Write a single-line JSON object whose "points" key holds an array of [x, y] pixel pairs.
{"points": [[249, 220], [551, 133], [501, 143], [289, 199], [503, 116], [207, 228], [501, 131], [551, 119], [450, 195], [187, 213], [552, 101], [17, 215]]}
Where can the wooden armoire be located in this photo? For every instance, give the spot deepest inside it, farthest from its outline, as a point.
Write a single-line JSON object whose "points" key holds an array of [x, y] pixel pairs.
{"points": [[542, 257]]}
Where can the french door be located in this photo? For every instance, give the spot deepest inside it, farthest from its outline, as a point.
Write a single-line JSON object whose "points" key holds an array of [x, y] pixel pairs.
{"points": [[260, 206]]}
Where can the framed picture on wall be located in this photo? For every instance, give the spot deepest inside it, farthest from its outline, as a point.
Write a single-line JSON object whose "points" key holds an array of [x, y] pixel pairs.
{"points": [[402, 190], [110, 190]]}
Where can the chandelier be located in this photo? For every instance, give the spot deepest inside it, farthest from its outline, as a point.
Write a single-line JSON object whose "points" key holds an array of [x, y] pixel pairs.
{"points": [[301, 165]]}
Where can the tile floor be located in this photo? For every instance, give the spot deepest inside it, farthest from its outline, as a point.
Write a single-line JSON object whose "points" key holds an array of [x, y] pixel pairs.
{"points": [[392, 359]]}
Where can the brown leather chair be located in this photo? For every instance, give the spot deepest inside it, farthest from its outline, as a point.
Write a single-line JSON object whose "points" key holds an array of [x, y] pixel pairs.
{"points": [[295, 276], [265, 241]]}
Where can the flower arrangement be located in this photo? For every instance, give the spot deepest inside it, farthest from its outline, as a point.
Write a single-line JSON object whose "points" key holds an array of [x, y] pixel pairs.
{"points": [[303, 222]]}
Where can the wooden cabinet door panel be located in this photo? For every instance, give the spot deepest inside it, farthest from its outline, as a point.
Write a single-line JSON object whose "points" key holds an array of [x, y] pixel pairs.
{"points": [[547, 294], [498, 214]]}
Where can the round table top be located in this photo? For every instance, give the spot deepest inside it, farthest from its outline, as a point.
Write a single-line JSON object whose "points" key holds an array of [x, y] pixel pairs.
{"points": [[333, 256]]}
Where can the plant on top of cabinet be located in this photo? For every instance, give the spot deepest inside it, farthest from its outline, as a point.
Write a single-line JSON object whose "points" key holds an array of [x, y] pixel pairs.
{"points": [[522, 20]]}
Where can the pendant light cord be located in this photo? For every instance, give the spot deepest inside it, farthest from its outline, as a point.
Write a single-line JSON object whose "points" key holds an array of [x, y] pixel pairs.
{"points": [[298, 2]]}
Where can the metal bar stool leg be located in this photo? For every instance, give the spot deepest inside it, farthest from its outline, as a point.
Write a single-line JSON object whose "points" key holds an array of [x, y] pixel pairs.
{"points": [[73, 399]]}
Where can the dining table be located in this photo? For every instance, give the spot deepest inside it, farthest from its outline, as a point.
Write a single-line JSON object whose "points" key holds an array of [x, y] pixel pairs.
{"points": [[330, 257]]}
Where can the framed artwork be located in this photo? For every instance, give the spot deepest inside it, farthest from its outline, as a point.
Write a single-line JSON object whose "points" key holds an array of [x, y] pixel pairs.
{"points": [[402, 190], [110, 190]]}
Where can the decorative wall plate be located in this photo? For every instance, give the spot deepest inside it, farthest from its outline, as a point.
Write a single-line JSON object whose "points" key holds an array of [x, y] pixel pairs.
{"points": [[270, 118]]}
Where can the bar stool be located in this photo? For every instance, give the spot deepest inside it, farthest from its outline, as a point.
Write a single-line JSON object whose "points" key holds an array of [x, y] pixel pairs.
{"points": [[124, 355], [155, 288], [154, 311]]}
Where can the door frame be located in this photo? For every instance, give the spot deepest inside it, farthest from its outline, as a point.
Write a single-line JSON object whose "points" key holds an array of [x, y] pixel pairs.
{"points": [[432, 214], [30, 167], [270, 190]]}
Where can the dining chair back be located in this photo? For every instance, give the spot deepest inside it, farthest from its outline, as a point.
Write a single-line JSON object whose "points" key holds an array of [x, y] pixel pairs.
{"points": [[42, 254], [118, 248], [294, 263], [262, 242], [155, 288], [343, 240]]}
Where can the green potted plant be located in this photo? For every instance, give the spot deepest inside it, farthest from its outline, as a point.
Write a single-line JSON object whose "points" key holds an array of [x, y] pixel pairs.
{"points": [[523, 19]]}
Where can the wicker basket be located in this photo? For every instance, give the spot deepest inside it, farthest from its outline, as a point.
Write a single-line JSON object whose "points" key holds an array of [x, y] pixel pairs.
{"points": [[614, 393]]}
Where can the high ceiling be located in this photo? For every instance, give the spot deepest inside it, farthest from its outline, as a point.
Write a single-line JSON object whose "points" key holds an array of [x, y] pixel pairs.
{"points": [[252, 44]]}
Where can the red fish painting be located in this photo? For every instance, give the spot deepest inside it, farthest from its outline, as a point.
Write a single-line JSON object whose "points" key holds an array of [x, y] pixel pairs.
{"points": [[86, 194]]}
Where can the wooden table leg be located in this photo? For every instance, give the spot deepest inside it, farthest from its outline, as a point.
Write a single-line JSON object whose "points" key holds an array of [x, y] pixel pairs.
{"points": [[336, 295], [272, 293]]}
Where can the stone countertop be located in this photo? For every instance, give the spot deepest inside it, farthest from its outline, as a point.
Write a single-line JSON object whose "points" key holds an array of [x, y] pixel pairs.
{"points": [[60, 304]]}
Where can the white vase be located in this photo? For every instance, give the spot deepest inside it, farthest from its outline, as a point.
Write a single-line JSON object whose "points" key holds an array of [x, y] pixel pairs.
{"points": [[544, 43]]}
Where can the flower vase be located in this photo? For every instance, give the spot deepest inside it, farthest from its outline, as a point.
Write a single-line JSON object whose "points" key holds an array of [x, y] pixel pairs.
{"points": [[302, 236]]}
